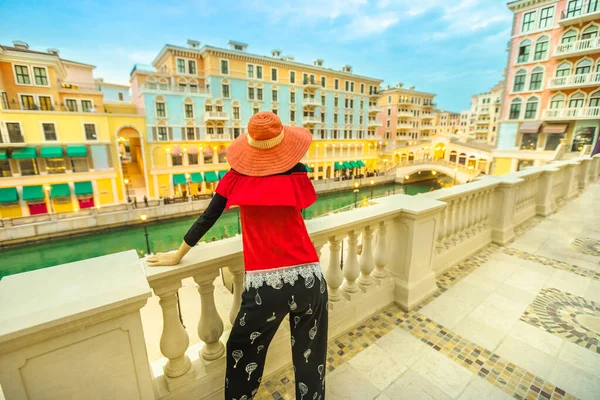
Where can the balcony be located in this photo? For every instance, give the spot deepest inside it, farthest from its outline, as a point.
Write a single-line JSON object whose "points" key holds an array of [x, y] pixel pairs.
{"points": [[216, 116], [311, 84], [374, 93], [373, 122], [374, 109], [311, 102], [572, 113], [574, 81], [404, 102], [404, 125], [589, 11], [427, 116], [310, 120], [481, 129], [577, 48], [405, 114], [164, 88], [16, 105], [429, 105]]}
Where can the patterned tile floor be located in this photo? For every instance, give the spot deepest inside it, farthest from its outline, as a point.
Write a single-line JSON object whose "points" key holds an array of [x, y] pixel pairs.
{"points": [[559, 315]]}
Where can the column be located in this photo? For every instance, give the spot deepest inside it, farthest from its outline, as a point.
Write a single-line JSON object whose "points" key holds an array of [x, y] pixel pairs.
{"points": [[381, 254], [210, 325], [351, 267], [334, 275], [366, 261]]}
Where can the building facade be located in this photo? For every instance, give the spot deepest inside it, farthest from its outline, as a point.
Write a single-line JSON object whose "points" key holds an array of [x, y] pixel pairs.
{"points": [[446, 123], [58, 138], [484, 115], [552, 83], [198, 99]]}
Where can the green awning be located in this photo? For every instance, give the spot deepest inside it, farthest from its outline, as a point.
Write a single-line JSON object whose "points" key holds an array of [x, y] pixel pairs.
{"points": [[308, 169], [196, 177], [179, 179], [8, 195], [76, 151], [51, 152], [60, 190], [347, 165], [353, 164], [211, 176], [24, 153], [360, 163], [33, 193], [338, 165], [3, 155], [222, 174], [83, 188]]}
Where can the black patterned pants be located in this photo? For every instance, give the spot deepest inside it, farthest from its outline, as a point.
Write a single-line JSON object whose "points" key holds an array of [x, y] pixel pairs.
{"points": [[300, 292]]}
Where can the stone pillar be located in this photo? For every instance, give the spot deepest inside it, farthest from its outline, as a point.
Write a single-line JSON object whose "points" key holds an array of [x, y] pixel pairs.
{"points": [[544, 201], [571, 186], [584, 176], [351, 269], [503, 205], [210, 325], [334, 275]]}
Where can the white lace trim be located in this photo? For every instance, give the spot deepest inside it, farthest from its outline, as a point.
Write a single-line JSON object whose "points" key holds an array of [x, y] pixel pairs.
{"points": [[278, 276]]}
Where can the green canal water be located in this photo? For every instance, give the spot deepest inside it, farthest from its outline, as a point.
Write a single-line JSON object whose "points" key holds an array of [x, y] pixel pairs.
{"points": [[164, 235]]}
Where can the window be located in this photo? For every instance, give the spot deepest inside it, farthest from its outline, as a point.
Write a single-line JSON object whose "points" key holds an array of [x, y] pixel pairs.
{"points": [[259, 74], [531, 108], [362, 88], [189, 133], [192, 67], [5, 171], [189, 110], [347, 87], [583, 67], [541, 48], [180, 66], [225, 67], [225, 90], [536, 79], [71, 104], [28, 102], [90, 131], [292, 116], [250, 93], [546, 16], [79, 164], [236, 112], [250, 71], [176, 160], [274, 95], [528, 21], [336, 84], [335, 118], [255, 110], [569, 37], [192, 159], [574, 8], [160, 110], [55, 165], [388, 124], [323, 100], [274, 111], [86, 105], [553, 140], [323, 81], [389, 112], [360, 120], [529, 141], [520, 81], [41, 77], [352, 87], [49, 131], [524, 50], [22, 75], [210, 131], [322, 118], [515, 109], [162, 133], [292, 77], [595, 100], [589, 33], [577, 100], [121, 96], [582, 139], [292, 97], [28, 167], [557, 102], [563, 69], [259, 94], [14, 132], [336, 102], [274, 74]]}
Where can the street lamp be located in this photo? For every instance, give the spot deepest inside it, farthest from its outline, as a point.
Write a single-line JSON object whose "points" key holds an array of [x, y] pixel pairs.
{"points": [[355, 193], [144, 217], [47, 188], [372, 186], [126, 182]]}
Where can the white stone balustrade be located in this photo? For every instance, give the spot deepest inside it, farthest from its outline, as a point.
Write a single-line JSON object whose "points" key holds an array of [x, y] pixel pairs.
{"points": [[406, 241]]}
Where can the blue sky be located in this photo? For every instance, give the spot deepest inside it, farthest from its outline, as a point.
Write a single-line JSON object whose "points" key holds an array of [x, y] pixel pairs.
{"points": [[454, 48]]}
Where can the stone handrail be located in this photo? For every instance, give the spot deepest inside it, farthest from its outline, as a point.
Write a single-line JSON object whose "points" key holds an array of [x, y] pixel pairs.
{"points": [[406, 241], [440, 161]]}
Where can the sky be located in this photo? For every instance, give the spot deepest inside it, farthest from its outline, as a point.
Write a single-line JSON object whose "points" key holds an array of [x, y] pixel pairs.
{"points": [[454, 48]]}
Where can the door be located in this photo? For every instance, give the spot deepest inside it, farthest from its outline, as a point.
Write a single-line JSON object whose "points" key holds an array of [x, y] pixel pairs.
{"points": [[37, 208]]}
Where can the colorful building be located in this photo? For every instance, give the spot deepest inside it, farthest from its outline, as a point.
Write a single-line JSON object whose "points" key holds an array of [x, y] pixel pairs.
{"points": [[552, 86], [58, 137], [484, 115], [445, 123], [198, 99]]}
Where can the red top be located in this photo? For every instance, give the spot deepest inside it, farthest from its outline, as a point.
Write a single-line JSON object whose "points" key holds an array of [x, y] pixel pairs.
{"points": [[273, 231]]}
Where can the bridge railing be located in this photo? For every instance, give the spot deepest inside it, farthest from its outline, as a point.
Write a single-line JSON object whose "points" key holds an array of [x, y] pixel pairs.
{"points": [[405, 240]]}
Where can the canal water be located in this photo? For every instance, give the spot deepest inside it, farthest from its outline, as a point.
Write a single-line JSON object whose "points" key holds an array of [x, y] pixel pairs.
{"points": [[164, 235]]}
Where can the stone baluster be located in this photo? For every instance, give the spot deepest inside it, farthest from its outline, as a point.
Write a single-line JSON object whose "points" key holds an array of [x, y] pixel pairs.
{"points": [[461, 218], [381, 254], [467, 215], [441, 234], [238, 287], [366, 261], [481, 210], [474, 212], [210, 325], [488, 206], [334, 275], [450, 221], [351, 267], [174, 340]]}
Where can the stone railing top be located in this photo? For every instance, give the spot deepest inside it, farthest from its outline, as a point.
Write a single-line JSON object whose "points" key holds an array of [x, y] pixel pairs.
{"points": [[461, 190], [46, 298]]}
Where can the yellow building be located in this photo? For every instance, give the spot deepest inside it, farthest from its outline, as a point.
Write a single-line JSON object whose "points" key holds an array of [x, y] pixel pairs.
{"points": [[59, 147]]}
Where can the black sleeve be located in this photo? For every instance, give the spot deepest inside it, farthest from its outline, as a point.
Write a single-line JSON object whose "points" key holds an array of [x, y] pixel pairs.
{"points": [[297, 168], [206, 220]]}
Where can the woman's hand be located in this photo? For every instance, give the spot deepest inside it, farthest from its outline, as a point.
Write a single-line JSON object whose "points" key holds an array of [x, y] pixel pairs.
{"points": [[163, 259]]}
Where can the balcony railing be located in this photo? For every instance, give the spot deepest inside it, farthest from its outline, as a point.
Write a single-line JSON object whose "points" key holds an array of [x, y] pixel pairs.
{"points": [[572, 113], [578, 47], [481, 130], [166, 88], [216, 116], [17, 105], [374, 122], [588, 11], [404, 125], [75, 86], [406, 114], [311, 102], [374, 109], [427, 116], [311, 84], [311, 119], [580, 80], [374, 93]]}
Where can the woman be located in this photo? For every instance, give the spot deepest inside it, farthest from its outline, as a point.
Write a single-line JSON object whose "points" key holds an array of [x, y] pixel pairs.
{"points": [[283, 275]]}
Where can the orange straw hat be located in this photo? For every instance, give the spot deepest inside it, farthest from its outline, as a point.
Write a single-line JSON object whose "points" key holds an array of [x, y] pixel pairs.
{"points": [[269, 147]]}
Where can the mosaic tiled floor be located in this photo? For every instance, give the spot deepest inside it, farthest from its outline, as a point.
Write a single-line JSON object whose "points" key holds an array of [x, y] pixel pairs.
{"points": [[575, 269], [588, 246], [570, 317]]}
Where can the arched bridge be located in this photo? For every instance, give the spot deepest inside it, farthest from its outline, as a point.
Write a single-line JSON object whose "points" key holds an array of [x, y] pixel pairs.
{"points": [[460, 173]]}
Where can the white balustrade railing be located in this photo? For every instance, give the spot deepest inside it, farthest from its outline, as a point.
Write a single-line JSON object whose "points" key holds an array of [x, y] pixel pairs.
{"points": [[215, 115], [577, 46], [574, 80], [576, 113], [406, 241]]}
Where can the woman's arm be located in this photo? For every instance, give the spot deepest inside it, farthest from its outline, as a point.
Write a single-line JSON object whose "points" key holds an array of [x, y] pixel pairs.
{"points": [[194, 234]]}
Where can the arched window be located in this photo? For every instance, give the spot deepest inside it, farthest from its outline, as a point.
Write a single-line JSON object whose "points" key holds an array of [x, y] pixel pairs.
{"points": [[515, 109], [557, 102], [453, 156], [462, 159], [472, 161], [537, 75], [531, 108], [583, 67], [541, 48], [524, 50], [563, 69], [577, 100], [595, 99], [520, 77], [590, 32], [411, 156], [569, 36]]}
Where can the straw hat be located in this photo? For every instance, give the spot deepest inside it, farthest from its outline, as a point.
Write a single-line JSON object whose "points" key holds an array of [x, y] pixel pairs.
{"points": [[269, 147]]}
